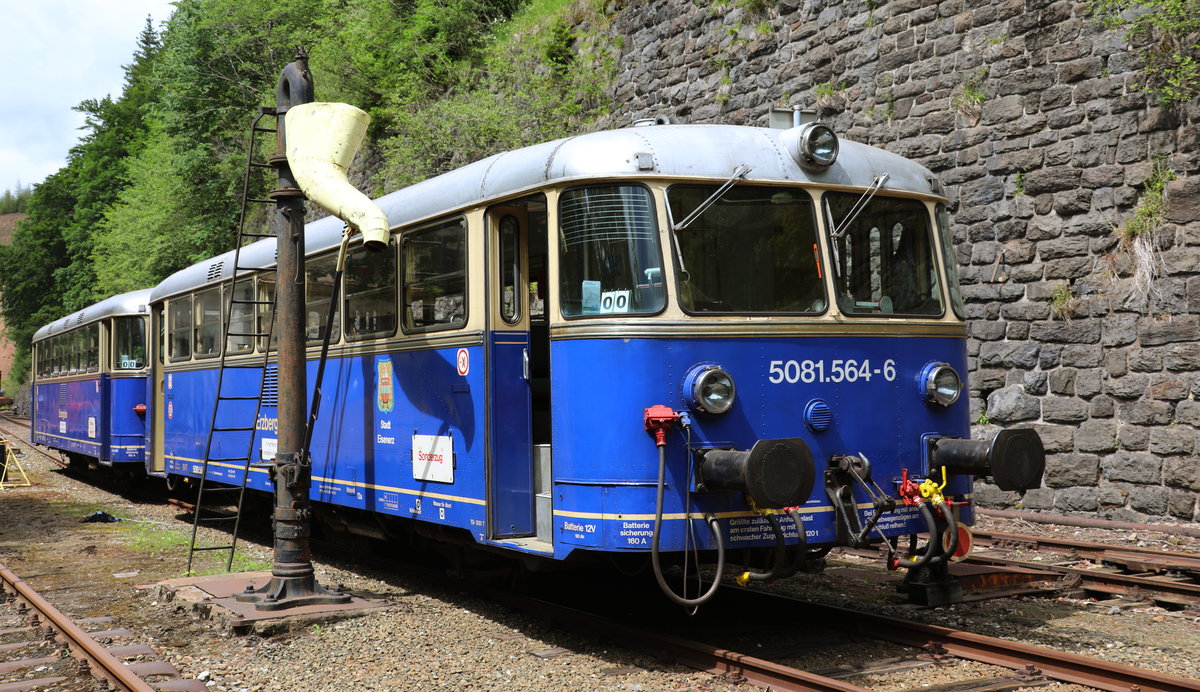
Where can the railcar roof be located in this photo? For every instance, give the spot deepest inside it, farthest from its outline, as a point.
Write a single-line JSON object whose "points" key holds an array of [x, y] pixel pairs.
{"points": [[132, 303], [691, 151]]}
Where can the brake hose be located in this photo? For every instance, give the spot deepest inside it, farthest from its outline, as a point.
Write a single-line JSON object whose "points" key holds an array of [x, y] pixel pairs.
{"points": [[654, 556]]}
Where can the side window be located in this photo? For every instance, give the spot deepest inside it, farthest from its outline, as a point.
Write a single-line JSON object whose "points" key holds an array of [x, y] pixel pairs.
{"points": [[510, 270], [266, 293], [319, 288], [93, 347], [208, 323], [179, 318], [241, 318], [129, 343], [370, 281], [78, 346], [435, 269]]}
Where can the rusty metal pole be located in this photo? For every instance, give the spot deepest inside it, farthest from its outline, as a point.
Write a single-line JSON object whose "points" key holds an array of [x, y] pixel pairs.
{"points": [[292, 579]]}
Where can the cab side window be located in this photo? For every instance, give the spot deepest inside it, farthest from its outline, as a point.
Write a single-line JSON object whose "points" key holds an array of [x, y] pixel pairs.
{"points": [[370, 281], [179, 328]]}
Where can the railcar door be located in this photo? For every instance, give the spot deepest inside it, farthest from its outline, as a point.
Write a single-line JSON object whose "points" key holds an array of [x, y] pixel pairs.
{"points": [[518, 344], [155, 462]]}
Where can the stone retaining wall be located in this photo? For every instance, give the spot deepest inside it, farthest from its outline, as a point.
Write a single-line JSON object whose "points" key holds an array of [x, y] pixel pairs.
{"points": [[1041, 171]]}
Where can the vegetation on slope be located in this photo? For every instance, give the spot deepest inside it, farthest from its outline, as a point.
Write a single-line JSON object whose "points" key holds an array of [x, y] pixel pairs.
{"points": [[154, 184]]}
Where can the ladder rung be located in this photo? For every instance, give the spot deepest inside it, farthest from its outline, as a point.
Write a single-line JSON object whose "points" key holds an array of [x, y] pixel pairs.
{"points": [[238, 398], [263, 129], [226, 459], [257, 334], [212, 547], [257, 164], [214, 520], [241, 429], [256, 199], [239, 301], [225, 488]]}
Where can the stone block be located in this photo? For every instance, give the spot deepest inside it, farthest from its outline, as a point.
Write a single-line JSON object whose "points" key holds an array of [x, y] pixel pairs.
{"points": [[1147, 412], [1113, 495], [1102, 407], [1150, 500], [1034, 382], [1009, 354], [1182, 472], [1089, 382], [1038, 499], [1060, 409], [1070, 246], [1085, 331], [1145, 360], [1012, 404], [1181, 504], [1168, 388], [1188, 413], [1082, 356], [1132, 467], [1127, 387], [1134, 437], [1182, 357], [1062, 381], [1052, 180], [1154, 331], [1025, 310], [1172, 441], [1119, 330], [1096, 436], [1071, 470], [1183, 200], [1071, 202], [1056, 438], [988, 495], [1076, 500], [1050, 357]]}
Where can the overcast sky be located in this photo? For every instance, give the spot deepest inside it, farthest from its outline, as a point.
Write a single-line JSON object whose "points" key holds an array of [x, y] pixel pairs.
{"points": [[54, 54]]}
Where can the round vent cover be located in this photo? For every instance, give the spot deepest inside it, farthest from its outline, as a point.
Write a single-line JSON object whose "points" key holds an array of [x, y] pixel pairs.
{"points": [[818, 416]]}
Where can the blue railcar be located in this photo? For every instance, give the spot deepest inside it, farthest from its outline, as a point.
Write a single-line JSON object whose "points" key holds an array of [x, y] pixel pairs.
{"points": [[90, 397], [638, 343]]}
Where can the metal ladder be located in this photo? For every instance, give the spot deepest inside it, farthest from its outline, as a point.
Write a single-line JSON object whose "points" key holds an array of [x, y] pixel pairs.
{"points": [[206, 491]]}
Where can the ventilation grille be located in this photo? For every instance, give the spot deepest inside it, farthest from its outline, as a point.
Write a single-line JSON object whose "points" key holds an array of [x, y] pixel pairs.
{"points": [[214, 270], [62, 395], [270, 387], [818, 416]]}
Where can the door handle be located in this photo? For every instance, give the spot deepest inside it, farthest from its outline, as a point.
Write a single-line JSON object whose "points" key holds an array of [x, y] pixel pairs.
{"points": [[525, 363]]}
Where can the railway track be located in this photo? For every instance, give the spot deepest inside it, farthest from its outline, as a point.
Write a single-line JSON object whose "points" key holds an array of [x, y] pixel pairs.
{"points": [[42, 648], [1165, 578]]}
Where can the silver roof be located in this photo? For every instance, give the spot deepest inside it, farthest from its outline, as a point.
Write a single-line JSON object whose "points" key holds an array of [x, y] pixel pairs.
{"points": [[692, 151], [132, 303]]}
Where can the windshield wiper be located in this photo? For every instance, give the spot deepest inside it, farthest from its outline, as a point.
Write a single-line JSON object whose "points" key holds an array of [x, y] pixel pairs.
{"points": [[859, 205], [738, 173]]}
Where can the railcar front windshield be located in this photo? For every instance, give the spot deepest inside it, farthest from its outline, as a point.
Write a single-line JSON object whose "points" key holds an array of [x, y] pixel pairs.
{"points": [[753, 251], [883, 256], [610, 259]]}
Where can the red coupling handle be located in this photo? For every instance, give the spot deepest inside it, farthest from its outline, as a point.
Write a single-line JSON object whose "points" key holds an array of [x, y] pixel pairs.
{"points": [[659, 421]]}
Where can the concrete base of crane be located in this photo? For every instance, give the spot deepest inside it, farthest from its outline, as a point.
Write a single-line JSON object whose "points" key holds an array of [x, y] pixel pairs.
{"points": [[214, 597]]}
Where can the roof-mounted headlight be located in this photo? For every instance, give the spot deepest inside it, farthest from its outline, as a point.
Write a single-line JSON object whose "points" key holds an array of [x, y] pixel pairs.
{"points": [[940, 384], [709, 388], [814, 145]]}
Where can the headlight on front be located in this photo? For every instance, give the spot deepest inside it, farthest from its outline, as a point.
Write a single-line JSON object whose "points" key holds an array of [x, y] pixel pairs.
{"points": [[941, 384], [709, 389]]}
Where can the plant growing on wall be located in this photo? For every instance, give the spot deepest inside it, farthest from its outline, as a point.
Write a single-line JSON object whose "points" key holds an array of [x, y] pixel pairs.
{"points": [[1064, 301], [969, 97], [1137, 234], [1170, 30]]}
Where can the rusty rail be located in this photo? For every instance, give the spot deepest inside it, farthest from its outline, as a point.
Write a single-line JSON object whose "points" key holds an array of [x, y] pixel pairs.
{"points": [[103, 663], [1058, 665]]}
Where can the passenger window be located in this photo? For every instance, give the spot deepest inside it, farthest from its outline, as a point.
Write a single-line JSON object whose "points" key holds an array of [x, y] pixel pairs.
{"points": [[241, 318], [129, 343], [179, 317], [208, 323], [435, 269], [93, 348], [320, 272], [370, 281], [266, 293], [77, 348]]}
